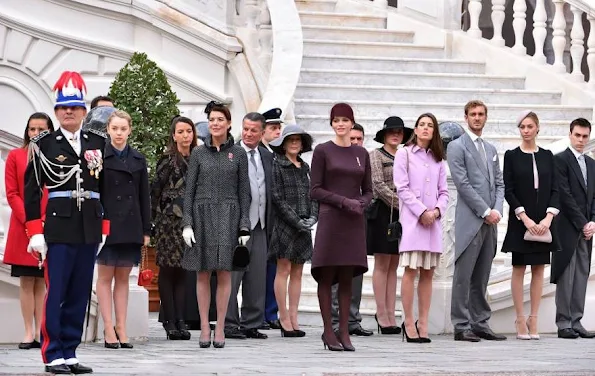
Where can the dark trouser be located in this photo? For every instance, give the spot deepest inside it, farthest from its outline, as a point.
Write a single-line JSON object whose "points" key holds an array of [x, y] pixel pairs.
{"points": [[571, 289], [69, 278], [355, 318], [253, 281], [270, 305], [172, 292], [469, 306]]}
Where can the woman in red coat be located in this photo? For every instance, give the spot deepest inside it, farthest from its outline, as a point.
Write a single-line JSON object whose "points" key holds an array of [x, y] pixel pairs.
{"points": [[24, 265]]}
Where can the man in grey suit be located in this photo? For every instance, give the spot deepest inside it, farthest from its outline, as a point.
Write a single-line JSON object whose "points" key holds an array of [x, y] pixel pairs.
{"points": [[253, 280], [475, 171], [576, 226]]}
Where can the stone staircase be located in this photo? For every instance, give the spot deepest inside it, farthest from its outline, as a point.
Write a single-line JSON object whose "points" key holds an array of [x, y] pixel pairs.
{"points": [[353, 58]]}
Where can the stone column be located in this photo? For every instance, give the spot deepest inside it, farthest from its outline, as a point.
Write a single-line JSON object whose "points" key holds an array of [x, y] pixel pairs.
{"points": [[439, 321]]}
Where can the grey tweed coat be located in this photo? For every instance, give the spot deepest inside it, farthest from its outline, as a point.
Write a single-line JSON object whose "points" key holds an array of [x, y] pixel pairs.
{"points": [[291, 197], [216, 205]]}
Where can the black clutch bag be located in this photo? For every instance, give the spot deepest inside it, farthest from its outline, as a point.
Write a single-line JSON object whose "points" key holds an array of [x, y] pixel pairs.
{"points": [[241, 257]]}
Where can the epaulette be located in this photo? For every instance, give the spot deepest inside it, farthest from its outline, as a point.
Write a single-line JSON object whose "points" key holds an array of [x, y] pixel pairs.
{"points": [[99, 133], [40, 136]]}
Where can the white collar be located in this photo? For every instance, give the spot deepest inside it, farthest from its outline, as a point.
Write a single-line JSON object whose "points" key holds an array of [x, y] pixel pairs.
{"points": [[248, 149], [575, 152], [69, 135], [473, 136]]}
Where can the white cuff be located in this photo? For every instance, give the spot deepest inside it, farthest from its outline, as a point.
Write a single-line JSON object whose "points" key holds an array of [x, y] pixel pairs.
{"points": [[554, 211], [518, 211], [55, 362], [71, 361], [486, 213]]}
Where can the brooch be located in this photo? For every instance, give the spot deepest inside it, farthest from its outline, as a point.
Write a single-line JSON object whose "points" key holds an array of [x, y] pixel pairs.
{"points": [[230, 156], [94, 162]]}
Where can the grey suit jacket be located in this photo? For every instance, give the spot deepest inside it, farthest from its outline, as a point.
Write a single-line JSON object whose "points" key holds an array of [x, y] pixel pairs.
{"points": [[478, 188]]}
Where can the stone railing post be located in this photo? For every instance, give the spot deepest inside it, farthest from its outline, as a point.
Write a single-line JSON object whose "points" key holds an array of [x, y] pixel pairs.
{"points": [[439, 321]]}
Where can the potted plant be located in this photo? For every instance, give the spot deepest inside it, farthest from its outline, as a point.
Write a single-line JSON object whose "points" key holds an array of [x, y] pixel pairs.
{"points": [[141, 89]]}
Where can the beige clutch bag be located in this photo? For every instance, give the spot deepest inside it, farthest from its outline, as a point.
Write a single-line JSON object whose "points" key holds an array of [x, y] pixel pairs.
{"points": [[545, 238]]}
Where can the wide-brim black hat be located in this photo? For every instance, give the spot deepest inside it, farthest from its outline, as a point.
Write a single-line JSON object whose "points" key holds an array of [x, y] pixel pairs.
{"points": [[290, 130], [393, 122], [241, 257]]}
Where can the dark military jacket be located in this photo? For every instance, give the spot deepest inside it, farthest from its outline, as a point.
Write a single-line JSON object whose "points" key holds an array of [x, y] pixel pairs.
{"points": [[64, 222]]}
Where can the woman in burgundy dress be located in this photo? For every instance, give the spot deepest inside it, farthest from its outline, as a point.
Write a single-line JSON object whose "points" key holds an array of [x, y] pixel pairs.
{"points": [[342, 184]]}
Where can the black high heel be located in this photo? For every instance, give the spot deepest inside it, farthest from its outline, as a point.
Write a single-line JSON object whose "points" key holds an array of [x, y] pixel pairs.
{"points": [[108, 345], [124, 345], [330, 347], [219, 344], [386, 329], [171, 334], [184, 333], [204, 344], [405, 335], [288, 333], [422, 339]]}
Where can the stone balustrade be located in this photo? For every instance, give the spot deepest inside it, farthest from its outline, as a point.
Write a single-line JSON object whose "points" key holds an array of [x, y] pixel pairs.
{"points": [[558, 30]]}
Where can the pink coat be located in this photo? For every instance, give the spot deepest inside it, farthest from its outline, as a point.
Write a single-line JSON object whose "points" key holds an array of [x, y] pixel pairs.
{"points": [[421, 186]]}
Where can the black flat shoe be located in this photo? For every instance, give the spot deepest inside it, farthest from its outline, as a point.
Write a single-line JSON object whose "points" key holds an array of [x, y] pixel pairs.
{"points": [[467, 336], [124, 345], [584, 333], [29, 345], [254, 333], [264, 326], [60, 369], [361, 332], [274, 324], [115, 345], [79, 369], [567, 333], [489, 335]]}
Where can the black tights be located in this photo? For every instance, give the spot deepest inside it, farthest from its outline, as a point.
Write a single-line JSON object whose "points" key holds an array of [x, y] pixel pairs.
{"points": [[172, 291], [328, 275]]}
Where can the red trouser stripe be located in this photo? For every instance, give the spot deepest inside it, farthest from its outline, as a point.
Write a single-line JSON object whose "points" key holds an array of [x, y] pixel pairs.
{"points": [[46, 337]]}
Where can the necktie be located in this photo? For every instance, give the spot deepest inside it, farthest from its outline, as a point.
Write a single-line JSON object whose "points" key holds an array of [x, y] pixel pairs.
{"points": [[583, 166], [252, 160], [482, 151], [74, 143]]}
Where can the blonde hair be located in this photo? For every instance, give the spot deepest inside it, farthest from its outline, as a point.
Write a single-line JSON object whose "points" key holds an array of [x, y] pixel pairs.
{"points": [[120, 114]]}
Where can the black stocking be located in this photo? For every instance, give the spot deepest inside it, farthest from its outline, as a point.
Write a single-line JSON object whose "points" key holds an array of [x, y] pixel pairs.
{"points": [[172, 294], [325, 282], [345, 278]]}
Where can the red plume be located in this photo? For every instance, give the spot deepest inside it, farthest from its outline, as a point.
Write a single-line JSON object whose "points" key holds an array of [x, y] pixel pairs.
{"points": [[74, 77]]}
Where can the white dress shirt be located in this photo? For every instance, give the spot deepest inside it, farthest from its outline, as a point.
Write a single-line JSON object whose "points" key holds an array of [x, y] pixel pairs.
{"points": [[74, 139]]}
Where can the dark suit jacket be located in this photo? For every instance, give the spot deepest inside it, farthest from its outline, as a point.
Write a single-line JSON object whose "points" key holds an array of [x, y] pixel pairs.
{"points": [[577, 207], [64, 222], [267, 163], [126, 197]]}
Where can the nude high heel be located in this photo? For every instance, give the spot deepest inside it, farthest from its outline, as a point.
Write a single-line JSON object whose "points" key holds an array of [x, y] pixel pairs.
{"points": [[516, 324], [532, 335]]}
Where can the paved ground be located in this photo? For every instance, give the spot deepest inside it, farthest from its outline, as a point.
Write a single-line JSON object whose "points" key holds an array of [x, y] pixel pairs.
{"points": [[375, 356]]}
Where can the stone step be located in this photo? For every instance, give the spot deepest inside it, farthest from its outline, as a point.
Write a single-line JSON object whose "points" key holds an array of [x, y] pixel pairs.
{"points": [[406, 93], [342, 19], [341, 47], [391, 64], [441, 110], [415, 79], [316, 5], [494, 126], [501, 142], [356, 34]]}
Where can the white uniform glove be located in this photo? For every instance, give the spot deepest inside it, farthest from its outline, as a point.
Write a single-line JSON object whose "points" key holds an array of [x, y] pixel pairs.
{"points": [[188, 235], [243, 240], [103, 237], [37, 244]]}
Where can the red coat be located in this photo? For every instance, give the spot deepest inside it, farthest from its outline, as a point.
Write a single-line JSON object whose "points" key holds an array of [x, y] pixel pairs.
{"points": [[15, 252]]}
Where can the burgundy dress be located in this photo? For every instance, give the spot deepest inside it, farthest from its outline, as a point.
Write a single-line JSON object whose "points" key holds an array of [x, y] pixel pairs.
{"points": [[338, 173]]}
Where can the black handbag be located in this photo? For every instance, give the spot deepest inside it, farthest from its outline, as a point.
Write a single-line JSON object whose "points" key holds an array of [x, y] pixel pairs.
{"points": [[394, 230]]}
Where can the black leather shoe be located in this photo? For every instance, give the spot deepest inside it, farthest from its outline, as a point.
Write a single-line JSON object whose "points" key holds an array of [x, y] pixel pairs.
{"points": [[60, 369], [274, 324], [489, 335], [254, 333], [79, 369], [234, 333], [359, 331], [584, 333], [264, 326], [567, 333], [467, 335], [29, 345]]}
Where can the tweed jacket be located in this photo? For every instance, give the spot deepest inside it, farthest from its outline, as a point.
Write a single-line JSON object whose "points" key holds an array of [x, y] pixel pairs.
{"points": [[291, 198], [381, 163]]}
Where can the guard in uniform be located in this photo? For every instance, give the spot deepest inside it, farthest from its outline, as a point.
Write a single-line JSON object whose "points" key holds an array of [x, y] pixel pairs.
{"points": [[272, 131], [68, 162]]}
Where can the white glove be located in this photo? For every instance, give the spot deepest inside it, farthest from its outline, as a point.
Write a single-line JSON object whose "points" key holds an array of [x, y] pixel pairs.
{"points": [[37, 244], [103, 237], [188, 235], [243, 240]]}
